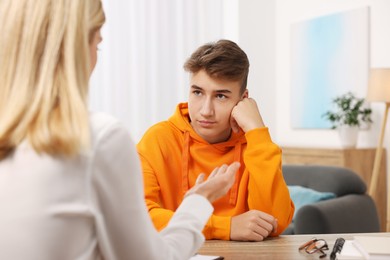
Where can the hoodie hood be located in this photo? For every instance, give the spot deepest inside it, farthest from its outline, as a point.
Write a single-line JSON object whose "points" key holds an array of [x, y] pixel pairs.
{"points": [[181, 120]]}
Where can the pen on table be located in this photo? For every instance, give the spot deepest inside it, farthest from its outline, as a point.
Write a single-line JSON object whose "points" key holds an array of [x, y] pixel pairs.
{"points": [[338, 246]]}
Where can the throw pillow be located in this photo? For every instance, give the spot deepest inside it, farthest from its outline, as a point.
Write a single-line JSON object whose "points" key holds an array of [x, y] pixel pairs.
{"points": [[302, 196]]}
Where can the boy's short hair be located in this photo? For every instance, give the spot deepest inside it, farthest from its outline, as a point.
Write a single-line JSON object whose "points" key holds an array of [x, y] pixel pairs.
{"points": [[223, 59]]}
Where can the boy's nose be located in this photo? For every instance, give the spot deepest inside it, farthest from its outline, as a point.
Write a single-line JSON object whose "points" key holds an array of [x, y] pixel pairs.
{"points": [[207, 108]]}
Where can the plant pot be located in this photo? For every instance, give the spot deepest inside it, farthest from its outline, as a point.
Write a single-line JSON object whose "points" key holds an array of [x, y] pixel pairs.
{"points": [[348, 136]]}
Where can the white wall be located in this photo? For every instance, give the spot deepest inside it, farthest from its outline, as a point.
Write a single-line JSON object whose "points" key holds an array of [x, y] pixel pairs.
{"points": [[262, 28], [257, 39], [139, 77], [289, 12], [264, 33]]}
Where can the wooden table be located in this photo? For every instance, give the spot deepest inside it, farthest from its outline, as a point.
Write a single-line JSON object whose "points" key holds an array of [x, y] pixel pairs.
{"points": [[282, 247]]}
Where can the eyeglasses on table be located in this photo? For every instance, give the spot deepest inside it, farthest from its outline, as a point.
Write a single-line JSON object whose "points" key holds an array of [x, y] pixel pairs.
{"points": [[315, 245]]}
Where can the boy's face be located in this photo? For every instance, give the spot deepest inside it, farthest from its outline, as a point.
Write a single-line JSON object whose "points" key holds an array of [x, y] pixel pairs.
{"points": [[210, 104]]}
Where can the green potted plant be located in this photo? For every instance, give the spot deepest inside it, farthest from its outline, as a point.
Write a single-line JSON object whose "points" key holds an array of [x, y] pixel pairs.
{"points": [[348, 117]]}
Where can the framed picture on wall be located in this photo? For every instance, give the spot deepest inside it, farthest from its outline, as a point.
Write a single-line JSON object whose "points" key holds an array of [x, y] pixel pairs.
{"points": [[329, 57]]}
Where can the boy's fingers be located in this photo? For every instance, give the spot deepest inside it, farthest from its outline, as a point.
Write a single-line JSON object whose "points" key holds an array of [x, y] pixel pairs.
{"points": [[234, 125], [275, 227]]}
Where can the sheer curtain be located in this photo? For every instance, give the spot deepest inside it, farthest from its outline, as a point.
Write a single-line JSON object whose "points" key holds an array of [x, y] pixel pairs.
{"points": [[139, 77]]}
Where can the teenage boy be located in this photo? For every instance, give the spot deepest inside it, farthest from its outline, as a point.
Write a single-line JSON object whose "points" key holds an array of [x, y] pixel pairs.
{"points": [[219, 124]]}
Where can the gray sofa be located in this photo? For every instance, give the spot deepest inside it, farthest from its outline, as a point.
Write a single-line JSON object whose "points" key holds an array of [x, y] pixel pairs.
{"points": [[352, 210]]}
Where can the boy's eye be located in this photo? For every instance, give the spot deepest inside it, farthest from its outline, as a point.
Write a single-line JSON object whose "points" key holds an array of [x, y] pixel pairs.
{"points": [[196, 92], [220, 96]]}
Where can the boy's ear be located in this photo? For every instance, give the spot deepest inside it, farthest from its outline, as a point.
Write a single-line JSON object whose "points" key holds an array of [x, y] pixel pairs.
{"points": [[245, 94]]}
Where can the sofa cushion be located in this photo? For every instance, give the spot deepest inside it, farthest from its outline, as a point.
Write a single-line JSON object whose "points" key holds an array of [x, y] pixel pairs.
{"points": [[340, 181], [302, 196]]}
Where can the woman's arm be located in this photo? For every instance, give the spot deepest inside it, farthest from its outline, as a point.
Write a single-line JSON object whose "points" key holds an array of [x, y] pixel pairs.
{"points": [[124, 228]]}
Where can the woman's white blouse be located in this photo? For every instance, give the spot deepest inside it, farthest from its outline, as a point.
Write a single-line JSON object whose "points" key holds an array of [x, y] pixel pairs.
{"points": [[89, 207]]}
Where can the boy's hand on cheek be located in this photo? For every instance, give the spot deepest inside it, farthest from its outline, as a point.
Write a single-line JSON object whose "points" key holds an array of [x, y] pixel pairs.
{"points": [[246, 115], [233, 124]]}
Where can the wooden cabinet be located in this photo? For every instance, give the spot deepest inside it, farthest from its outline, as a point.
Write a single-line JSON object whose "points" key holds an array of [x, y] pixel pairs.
{"points": [[360, 160]]}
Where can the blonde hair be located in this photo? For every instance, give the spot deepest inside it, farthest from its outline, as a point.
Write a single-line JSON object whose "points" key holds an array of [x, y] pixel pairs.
{"points": [[44, 72]]}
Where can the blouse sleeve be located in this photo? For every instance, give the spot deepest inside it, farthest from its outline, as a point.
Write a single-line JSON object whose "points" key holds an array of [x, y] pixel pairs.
{"points": [[123, 227]]}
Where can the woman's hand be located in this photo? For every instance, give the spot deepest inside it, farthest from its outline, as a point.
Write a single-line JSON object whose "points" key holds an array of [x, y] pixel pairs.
{"points": [[218, 183]]}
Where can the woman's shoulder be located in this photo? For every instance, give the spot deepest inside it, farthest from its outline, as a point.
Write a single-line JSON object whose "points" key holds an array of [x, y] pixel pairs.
{"points": [[104, 125], [101, 121]]}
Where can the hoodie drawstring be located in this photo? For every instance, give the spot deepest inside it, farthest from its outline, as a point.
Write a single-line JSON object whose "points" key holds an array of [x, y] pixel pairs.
{"points": [[234, 189], [185, 159]]}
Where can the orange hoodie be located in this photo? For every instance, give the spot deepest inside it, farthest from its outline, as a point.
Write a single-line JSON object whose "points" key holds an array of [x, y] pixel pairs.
{"points": [[173, 155]]}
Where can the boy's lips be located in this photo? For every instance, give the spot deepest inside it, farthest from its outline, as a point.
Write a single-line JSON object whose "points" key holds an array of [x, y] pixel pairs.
{"points": [[205, 123]]}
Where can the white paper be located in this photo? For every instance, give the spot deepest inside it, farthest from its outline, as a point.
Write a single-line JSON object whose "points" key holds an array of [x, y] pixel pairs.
{"points": [[349, 251], [205, 257]]}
